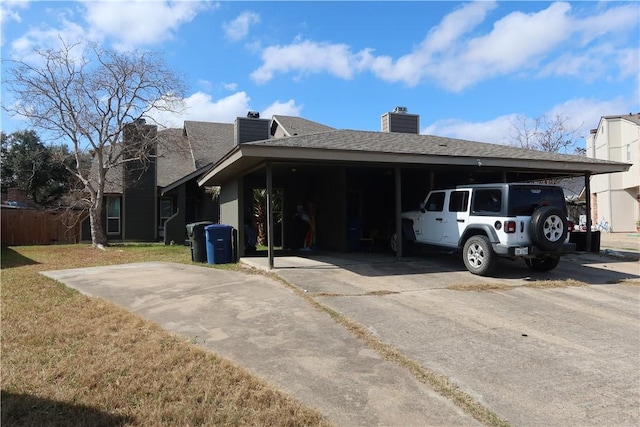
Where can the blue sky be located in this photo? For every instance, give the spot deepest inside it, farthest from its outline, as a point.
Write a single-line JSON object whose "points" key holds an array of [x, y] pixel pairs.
{"points": [[467, 68]]}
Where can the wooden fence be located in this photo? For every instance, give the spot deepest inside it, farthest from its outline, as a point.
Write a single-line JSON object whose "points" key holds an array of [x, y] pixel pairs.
{"points": [[34, 227]]}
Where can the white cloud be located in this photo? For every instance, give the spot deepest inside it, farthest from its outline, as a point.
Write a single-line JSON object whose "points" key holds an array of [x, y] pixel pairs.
{"points": [[138, 22], [582, 114], [229, 86], [494, 131], [129, 24], [238, 29], [201, 107], [523, 44], [49, 38], [442, 39], [9, 10], [307, 57], [288, 108]]}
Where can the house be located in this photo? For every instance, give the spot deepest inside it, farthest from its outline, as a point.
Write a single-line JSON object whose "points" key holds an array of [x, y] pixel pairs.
{"points": [[155, 201], [360, 181], [616, 197]]}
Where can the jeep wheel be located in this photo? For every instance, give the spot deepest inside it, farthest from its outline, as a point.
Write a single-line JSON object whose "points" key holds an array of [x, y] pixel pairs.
{"points": [[548, 228], [543, 264], [478, 256], [393, 243]]}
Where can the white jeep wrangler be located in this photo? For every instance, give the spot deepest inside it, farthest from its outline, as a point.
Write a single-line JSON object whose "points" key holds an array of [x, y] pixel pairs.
{"points": [[486, 221]]}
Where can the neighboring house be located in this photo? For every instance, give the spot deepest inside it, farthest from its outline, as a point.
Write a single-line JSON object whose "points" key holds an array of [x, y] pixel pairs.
{"points": [[616, 197], [360, 181]]}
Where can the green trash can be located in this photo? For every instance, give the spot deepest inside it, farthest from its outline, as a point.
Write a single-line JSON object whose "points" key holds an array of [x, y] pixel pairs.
{"points": [[197, 240]]}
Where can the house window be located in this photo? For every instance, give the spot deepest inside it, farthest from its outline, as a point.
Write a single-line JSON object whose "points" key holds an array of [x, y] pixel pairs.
{"points": [[166, 209], [113, 215]]}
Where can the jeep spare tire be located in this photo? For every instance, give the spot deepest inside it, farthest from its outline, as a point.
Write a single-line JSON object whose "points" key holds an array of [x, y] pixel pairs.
{"points": [[548, 228]]}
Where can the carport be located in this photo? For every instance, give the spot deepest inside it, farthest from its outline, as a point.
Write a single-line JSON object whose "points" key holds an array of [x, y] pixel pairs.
{"points": [[361, 181]]}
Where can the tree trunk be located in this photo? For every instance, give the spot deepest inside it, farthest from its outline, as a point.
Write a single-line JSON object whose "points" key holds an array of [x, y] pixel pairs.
{"points": [[98, 238]]}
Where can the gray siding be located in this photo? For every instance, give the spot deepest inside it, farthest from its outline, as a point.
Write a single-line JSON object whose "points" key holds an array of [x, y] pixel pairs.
{"points": [[401, 123], [139, 199], [247, 129], [139, 206]]}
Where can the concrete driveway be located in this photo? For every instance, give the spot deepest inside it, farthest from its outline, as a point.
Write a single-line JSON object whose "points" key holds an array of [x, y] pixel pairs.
{"points": [[533, 356]]}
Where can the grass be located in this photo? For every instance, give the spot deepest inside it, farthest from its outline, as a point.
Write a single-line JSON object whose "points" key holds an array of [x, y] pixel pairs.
{"points": [[537, 284], [68, 359]]}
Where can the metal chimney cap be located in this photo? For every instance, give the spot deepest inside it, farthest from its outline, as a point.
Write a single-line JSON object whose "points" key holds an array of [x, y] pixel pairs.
{"points": [[253, 115], [400, 110]]}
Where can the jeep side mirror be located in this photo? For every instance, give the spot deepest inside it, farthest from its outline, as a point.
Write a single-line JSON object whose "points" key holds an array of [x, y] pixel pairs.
{"points": [[422, 207]]}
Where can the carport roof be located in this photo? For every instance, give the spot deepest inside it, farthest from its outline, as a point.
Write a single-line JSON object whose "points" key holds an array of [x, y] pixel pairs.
{"points": [[399, 149]]}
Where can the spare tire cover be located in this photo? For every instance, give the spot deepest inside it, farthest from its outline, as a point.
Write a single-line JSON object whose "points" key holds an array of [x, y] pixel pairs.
{"points": [[548, 228]]}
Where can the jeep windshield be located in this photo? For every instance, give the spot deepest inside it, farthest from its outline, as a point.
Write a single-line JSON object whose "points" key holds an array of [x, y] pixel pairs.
{"points": [[523, 200]]}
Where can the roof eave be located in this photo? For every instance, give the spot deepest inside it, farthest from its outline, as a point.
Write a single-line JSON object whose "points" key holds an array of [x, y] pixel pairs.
{"points": [[245, 157], [184, 179]]}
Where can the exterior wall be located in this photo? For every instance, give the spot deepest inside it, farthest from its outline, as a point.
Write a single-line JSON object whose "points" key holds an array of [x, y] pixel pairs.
{"points": [[140, 204], [231, 208], [175, 227], [279, 133], [616, 139]]}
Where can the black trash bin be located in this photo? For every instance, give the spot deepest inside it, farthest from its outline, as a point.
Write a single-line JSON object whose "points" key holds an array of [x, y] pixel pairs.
{"points": [[219, 243], [580, 239], [197, 240]]}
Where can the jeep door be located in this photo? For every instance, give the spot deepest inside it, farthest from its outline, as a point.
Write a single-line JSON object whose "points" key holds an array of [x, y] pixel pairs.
{"points": [[456, 218], [430, 227]]}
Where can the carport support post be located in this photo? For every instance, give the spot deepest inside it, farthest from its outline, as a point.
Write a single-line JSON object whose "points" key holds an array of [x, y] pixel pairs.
{"points": [[269, 214], [587, 195], [398, 213]]}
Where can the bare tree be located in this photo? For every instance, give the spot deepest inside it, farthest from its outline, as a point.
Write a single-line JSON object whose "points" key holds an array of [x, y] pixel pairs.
{"points": [[552, 134], [88, 96]]}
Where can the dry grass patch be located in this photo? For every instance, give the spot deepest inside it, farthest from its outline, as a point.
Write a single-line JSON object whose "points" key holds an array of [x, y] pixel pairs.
{"points": [[549, 284], [480, 287], [538, 284], [68, 359]]}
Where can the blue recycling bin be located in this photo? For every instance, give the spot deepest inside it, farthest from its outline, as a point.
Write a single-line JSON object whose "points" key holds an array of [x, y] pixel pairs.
{"points": [[219, 243]]}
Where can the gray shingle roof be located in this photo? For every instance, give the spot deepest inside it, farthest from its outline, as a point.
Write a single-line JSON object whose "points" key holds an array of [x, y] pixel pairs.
{"points": [[299, 126], [184, 151], [406, 143]]}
